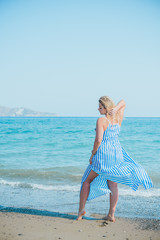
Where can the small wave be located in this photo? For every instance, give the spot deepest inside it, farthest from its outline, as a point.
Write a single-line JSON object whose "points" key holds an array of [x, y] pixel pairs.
{"points": [[68, 188], [71, 174], [154, 192]]}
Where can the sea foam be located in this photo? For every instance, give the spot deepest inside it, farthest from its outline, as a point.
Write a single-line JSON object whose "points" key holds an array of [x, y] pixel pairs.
{"points": [[154, 192], [69, 188]]}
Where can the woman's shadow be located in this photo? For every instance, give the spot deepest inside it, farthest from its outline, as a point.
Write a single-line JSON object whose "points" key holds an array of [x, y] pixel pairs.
{"points": [[43, 213]]}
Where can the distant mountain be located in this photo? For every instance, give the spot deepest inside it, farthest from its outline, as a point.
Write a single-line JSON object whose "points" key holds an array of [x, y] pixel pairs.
{"points": [[23, 112]]}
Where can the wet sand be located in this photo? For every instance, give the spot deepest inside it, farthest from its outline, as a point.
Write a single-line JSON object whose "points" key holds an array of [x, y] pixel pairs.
{"points": [[20, 226]]}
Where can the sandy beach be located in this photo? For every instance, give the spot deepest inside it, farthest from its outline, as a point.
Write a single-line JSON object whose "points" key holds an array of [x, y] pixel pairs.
{"points": [[20, 226]]}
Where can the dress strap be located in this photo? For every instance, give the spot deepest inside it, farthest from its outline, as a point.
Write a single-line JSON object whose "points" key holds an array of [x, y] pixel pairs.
{"points": [[118, 119], [107, 119], [110, 121]]}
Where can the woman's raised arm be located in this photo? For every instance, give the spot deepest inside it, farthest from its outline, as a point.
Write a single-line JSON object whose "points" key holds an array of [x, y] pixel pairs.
{"points": [[120, 107]]}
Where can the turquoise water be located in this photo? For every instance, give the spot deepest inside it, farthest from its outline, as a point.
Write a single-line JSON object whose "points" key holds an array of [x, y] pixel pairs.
{"points": [[42, 161]]}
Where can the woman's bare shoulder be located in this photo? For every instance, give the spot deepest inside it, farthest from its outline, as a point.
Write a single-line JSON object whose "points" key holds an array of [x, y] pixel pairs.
{"points": [[101, 122]]}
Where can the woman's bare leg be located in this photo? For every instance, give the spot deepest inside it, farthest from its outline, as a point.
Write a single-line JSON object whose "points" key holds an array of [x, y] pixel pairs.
{"points": [[113, 186], [84, 193]]}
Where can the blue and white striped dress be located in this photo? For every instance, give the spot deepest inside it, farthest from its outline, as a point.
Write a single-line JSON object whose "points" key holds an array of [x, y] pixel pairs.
{"points": [[113, 163]]}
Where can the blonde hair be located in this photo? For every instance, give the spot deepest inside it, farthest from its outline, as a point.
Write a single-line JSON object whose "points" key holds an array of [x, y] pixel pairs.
{"points": [[108, 104]]}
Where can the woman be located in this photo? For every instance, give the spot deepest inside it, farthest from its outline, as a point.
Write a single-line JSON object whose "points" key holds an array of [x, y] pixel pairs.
{"points": [[109, 162]]}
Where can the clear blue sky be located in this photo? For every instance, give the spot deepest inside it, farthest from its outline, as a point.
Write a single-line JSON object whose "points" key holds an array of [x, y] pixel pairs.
{"points": [[61, 56]]}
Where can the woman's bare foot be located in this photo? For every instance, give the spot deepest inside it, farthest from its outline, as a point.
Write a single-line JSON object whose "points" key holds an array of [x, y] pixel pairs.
{"points": [[109, 218], [81, 214]]}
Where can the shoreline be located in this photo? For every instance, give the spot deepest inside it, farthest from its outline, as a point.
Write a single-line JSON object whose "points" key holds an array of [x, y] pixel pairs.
{"points": [[51, 225], [67, 215]]}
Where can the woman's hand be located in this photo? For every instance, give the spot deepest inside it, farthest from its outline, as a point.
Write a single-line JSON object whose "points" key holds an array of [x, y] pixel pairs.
{"points": [[113, 111], [90, 160], [120, 106]]}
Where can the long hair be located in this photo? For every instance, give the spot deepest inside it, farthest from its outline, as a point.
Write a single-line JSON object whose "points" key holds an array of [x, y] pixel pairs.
{"points": [[108, 104]]}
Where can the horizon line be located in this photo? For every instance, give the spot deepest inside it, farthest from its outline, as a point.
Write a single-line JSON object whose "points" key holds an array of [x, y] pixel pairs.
{"points": [[73, 116]]}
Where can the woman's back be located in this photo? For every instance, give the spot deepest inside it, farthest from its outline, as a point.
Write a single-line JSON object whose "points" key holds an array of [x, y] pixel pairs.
{"points": [[112, 132]]}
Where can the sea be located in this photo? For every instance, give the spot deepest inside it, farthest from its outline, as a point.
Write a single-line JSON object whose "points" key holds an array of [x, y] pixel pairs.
{"points": [[42, 160]]}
